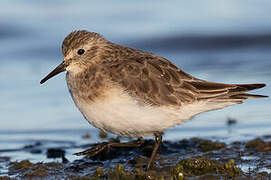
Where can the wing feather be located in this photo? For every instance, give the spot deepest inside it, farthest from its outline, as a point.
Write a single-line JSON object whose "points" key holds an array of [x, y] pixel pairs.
{"points": [[157, 81]]}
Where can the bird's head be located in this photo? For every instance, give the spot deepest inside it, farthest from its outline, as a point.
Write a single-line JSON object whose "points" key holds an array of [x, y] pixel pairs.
{"points": [[78, 48]]}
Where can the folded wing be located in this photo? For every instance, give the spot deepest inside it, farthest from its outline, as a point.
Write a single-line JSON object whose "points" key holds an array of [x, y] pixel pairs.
{"points": [[156, 81]]}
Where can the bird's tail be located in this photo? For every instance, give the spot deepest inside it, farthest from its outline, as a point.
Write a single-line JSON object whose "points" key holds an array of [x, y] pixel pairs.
{"points": [[219, 95], [238, 92]]}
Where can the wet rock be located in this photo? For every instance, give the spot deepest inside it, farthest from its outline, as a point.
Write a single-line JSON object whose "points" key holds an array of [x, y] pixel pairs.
{"points": [[6, 178], [208, 145], [30, 146], [147, 150], [202, 145], [231, 121], [26, 169], [34, 148], [55, 153], [258, 145], [86, 136], [102, 134], [83, 165], [116, 139], [36, 151], [4, 158], [138, 162], [188, 143]]}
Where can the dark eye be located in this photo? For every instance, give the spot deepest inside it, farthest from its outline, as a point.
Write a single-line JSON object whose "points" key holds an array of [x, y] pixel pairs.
{"points": [[80, 51]]}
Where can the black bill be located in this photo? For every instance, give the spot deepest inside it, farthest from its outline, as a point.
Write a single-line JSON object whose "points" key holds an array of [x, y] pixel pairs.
{"points": [[60, 68]]}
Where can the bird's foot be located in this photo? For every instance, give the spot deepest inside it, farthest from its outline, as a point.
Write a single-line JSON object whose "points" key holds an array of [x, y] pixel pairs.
{"points": [[95, 150], [106, 146]]}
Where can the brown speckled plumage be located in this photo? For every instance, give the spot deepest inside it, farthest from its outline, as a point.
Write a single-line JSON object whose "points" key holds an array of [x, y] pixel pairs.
{"points": [[145, 76]]}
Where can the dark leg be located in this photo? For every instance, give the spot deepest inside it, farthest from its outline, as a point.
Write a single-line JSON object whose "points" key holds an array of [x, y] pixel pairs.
{"points": [[107, 145], [158, 140]]}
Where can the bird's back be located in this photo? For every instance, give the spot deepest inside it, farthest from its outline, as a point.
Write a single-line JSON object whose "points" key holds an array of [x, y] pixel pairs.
{"points": [[155, 80]]}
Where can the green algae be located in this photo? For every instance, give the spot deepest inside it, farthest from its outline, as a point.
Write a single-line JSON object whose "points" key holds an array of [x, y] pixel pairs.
{"points": [[118, 173], [197, 166], [26, 169], [99, 173], [208, 145], [190, 167], [202, 145], [258, 145], [6, 178], [201, 165], [177, 172], [102, 134]]}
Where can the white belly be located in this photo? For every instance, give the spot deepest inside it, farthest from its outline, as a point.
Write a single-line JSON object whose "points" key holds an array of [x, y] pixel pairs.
{"points": [[119, 113]]}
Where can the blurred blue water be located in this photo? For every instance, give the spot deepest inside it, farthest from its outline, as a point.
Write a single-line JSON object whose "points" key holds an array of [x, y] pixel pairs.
{"points": [[229, 42]]}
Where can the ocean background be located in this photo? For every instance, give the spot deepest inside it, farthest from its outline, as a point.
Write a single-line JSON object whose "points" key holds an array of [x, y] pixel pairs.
{"points": [[227, 41]]}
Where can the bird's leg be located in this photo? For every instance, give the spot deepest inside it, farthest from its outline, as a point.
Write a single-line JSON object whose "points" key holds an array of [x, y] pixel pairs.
{"points": [[107, 145], [158, 140]]}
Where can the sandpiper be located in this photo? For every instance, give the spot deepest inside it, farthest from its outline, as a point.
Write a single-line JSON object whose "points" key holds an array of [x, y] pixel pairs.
{"points": [[133, 93]]}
